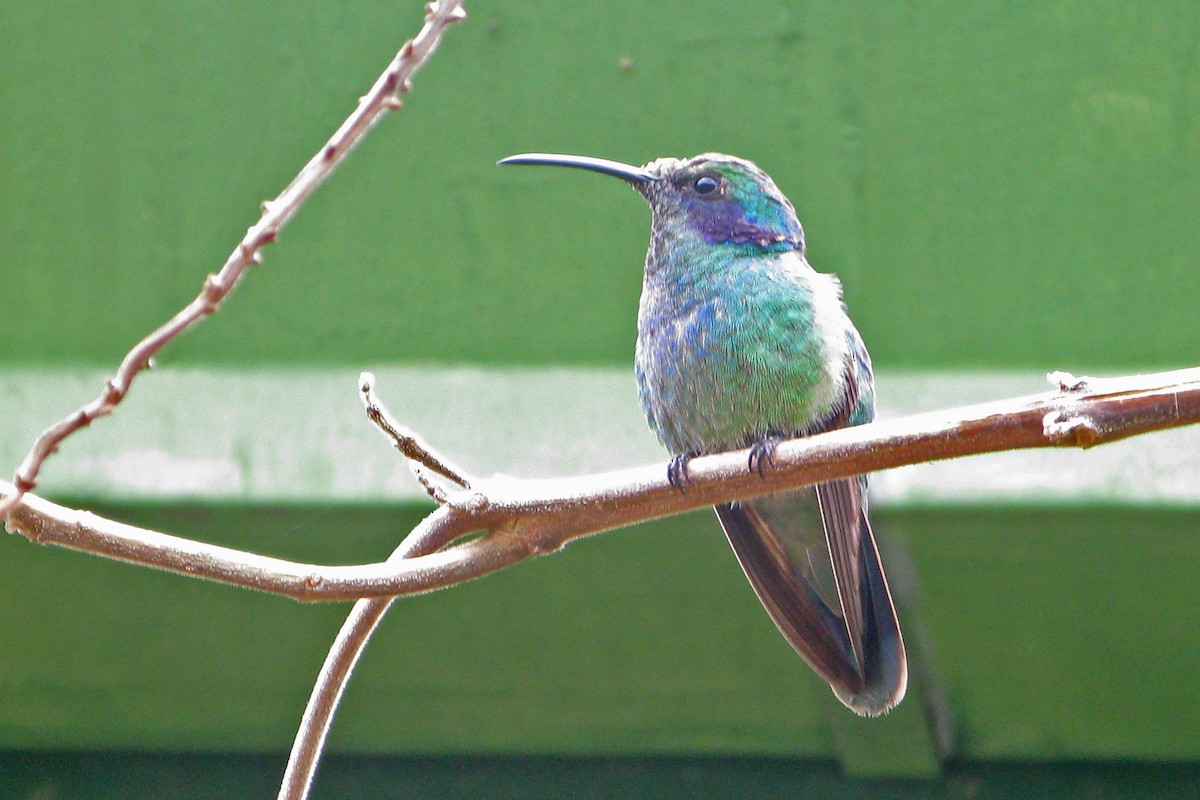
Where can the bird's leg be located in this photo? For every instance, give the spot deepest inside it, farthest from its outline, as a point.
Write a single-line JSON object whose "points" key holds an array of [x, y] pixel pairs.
{"points": [[762, 455], [677, 471]]}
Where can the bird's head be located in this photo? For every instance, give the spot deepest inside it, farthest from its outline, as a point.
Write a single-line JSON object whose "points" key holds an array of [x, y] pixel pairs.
{"points": [[718, 198]]}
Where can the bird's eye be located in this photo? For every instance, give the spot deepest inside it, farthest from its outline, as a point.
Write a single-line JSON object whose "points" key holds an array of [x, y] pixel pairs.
{"points": [[705, 184]]}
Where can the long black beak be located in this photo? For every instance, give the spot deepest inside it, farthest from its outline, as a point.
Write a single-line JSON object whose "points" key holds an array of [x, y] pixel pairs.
{"points": [[627, 172]]}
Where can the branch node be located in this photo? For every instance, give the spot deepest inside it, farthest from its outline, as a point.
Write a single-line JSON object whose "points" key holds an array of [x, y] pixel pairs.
{"points": [[471, 501], [214, 289], [112, 395], [393, 103], [1069, 429], [33, 533], [1068, 383], [457, 15], [468, 501], [542, 545]]}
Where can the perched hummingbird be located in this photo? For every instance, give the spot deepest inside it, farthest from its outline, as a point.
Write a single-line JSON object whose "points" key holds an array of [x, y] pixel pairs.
{"points": [[740, 344]]}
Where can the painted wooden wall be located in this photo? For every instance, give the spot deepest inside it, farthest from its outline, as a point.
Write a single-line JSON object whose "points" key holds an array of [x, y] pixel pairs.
{"points": [[1004, 191]]}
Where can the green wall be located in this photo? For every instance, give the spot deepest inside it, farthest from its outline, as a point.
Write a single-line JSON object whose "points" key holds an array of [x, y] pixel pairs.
{"points": [[961, 166], [1000, 187]]}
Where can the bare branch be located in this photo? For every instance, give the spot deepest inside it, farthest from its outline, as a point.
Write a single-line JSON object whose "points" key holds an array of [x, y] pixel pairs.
{"points": [[326, 695], [275, 214], [408, 443], [352, 638], [367, 614], [522, 518]]}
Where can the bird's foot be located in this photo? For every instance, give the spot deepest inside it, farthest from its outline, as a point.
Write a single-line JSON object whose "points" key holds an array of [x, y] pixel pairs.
{"points": [[762, 455], [677, 471]]}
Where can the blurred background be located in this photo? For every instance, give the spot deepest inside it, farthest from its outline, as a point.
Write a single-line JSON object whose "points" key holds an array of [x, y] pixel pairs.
{"points": [[1003, 190]]}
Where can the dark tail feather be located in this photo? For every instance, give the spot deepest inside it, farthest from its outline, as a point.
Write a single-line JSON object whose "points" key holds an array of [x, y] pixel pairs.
{"points": [[816, 631], [886, 672]]}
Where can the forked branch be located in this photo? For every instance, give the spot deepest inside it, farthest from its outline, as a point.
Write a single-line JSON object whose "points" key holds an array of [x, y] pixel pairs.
{"points": [[1066, 424], [248, 252], [523, 518]]}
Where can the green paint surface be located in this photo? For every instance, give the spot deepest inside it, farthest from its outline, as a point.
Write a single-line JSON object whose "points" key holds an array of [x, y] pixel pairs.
{"points": [[31, 776], [1039, 628], [997, 188]]}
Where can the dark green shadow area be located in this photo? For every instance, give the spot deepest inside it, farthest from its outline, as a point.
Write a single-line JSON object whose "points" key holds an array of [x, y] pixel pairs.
{"points": [[109, 776], [1042, 630]]}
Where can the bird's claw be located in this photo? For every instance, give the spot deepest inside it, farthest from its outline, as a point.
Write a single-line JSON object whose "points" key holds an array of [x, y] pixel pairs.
{"points": [[762, 455], [677, 471]]}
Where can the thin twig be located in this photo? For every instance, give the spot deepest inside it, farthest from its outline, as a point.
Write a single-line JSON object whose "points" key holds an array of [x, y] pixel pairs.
{"points": [[406, 441], [275, 214], [522, 518]]}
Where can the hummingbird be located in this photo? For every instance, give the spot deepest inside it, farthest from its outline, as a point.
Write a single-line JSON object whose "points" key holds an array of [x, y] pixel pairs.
{"points": [[741, 344]]}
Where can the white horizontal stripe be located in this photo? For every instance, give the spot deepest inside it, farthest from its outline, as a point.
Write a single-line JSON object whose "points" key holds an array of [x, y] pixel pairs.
{"points": [[300, 435]]}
